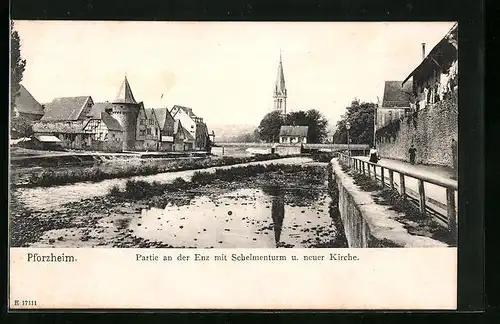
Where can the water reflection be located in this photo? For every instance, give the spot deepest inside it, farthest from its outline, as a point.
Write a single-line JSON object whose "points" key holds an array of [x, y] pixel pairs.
{"points": [[245, 218], [277, 211]]}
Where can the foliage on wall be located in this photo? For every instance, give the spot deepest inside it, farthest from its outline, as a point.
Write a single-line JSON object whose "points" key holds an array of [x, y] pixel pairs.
{"points": [[389, 132]]}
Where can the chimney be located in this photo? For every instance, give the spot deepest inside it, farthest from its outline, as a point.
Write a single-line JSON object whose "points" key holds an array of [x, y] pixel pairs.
{"points": [[423, 51]]}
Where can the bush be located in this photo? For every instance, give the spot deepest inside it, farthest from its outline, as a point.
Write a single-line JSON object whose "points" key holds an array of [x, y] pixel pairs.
{"points": [[139, 189], [179, 182], [115, 191], [323, 156], [202, 178]]}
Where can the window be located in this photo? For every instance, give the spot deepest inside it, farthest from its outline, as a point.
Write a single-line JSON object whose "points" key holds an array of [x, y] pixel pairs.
{"points": [[149, 131]]}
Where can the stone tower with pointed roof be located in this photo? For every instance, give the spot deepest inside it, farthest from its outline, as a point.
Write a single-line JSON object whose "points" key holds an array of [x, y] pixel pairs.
{"points": [[125, 111], [280, 90]]}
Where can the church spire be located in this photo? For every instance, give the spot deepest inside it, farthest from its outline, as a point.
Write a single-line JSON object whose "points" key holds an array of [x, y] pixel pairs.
{"points": [[280, 89]]}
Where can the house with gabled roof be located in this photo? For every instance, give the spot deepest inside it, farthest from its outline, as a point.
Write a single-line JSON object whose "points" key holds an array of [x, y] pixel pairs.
{"points": [[396, 102], [81, 124], [183, 140], [98, 108], [68, 108], [186, 116], [141, 126], [152, 139], [436, 77], [166, 124], [26, 106], [293, 134], [70, 132], [194, 124], [105, 132]]}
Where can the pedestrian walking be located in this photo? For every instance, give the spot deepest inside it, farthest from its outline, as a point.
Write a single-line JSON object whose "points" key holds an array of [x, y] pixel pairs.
{"points": [[374, 157], [413, 153]]}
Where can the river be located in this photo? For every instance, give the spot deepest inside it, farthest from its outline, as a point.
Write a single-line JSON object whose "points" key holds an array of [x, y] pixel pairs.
{"points": [[48, 198]]}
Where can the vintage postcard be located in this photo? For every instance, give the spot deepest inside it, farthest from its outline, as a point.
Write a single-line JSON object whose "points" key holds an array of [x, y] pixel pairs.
{"points": [[233, 165]]}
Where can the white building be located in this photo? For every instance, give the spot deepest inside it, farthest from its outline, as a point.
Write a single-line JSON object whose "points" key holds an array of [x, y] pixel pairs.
{"points": [[293, 134]]}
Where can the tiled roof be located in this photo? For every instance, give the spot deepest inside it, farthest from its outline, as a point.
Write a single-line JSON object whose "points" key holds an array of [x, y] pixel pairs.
{"points": [[142, 111], [177, 126], [163, 115], [65, 108], [395, 95], [125, 93], [187, 135], [294, 131], [110, 122], [98, 107], [26, 103], [70, 127], [176, 108], [150, 114]]}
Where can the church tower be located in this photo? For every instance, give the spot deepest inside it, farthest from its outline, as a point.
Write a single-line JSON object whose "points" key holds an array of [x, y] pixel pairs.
{"points": [[280, 90], [125, 111]]}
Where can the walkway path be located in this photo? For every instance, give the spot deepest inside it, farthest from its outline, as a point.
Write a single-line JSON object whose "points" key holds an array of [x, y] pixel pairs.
{"points": [[434, 171], [435, 195]]}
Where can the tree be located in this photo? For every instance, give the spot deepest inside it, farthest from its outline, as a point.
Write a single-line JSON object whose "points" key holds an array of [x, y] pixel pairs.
{"points": [[317, 124], [20, 128], [269, 127], [317, 132], [360, 116], [17, 66]]}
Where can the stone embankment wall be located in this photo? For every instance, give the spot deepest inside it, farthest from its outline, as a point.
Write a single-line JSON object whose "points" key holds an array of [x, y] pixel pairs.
{"points": [[367, 224], [288, 150], [431, 130]]}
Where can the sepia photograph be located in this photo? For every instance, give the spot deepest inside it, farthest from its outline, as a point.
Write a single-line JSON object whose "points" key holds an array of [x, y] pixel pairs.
{"points": [[233, 135]]}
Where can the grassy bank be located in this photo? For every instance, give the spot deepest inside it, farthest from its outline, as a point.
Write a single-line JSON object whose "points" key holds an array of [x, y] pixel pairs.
{"points": [[125, 169], [323, 156], [413, 220]]}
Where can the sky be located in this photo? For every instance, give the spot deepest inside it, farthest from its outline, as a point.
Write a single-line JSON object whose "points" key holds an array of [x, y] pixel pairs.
{"points": [[225, 71]]}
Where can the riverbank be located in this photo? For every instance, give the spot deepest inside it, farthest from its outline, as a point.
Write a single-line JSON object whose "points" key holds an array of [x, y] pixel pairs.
{"points": [[236, 207], [121, 168]]}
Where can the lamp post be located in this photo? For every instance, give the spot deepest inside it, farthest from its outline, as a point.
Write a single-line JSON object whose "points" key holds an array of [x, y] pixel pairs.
{"points": [[348, 126]]}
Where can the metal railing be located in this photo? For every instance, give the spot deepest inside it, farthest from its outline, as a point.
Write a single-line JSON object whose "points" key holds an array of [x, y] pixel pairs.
{"points": [[448, 218]]}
